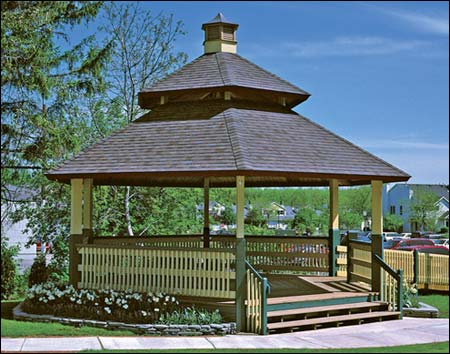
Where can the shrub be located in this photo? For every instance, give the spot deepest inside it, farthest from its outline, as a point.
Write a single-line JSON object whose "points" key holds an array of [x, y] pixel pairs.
{"points": [[39, 271], [108, 305], [58, 268], [9, 269], [410, 295], [190, 315]]}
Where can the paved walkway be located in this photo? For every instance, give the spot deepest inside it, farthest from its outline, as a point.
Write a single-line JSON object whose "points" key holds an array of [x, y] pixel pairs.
{"points": [[380, 334]]}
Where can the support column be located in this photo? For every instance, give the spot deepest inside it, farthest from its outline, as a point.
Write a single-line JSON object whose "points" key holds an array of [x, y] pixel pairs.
{"points": [[333, 231], [87, 207], [240, 255], [377, 234], [206, 233], [75, 229]]}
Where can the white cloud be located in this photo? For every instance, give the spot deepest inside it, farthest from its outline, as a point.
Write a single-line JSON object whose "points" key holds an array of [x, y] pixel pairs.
{"points": [[354, 46], [398, 144], [423, 22]]}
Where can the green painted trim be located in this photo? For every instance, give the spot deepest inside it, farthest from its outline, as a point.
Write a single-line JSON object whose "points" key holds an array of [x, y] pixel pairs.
{"points": [[75, 259], [206, 237], [266, 290], [416, 268], [241, 284], [333, 241], [317, 303], [377, 274], [400, 292], [428, 272]]}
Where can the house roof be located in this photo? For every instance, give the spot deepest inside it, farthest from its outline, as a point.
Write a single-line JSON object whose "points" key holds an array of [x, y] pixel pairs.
{"points": [[179, 144], [223, 70]]}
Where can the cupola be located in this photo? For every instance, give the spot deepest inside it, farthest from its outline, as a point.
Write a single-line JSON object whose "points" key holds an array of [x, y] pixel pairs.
{"points": [[220, 35]]}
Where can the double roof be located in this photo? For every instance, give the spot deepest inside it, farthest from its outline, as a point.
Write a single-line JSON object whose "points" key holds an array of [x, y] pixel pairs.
{"points": [[251, 132]]}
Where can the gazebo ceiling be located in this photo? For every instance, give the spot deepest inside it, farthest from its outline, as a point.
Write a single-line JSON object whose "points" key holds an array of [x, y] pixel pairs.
{"points": [[178, 144]]}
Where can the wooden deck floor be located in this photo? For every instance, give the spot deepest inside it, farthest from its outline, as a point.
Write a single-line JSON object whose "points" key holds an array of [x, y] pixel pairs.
{"points": [[283, 286]]}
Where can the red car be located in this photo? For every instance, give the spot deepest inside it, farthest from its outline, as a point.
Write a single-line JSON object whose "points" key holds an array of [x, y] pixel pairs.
{"points": [[412, 242], [425, 249]]}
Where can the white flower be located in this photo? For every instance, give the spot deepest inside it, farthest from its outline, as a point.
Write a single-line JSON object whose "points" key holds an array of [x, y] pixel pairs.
{"points": [[156, 309], [107, 309], [125, 306]]}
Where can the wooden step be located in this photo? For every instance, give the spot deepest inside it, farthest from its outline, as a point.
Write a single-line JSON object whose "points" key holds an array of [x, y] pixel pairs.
{"points": [[315, 297], [349, 307], [359, 317], [295, 302]]}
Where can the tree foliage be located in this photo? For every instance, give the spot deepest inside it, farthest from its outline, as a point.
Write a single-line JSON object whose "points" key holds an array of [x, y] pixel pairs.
{"points": [[393, 222], [423, 208]]}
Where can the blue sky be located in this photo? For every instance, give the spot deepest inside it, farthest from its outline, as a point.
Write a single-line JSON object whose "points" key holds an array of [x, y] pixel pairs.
{"points": [[378, 72]]}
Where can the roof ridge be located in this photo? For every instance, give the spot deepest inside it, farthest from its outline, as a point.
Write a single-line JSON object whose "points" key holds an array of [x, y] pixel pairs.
{"points": [[239, 149], [270, 73], [354, 145], [220, 69]]}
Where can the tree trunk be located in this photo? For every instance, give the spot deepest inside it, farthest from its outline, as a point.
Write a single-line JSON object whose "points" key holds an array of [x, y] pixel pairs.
{"points": [[127, 211]]}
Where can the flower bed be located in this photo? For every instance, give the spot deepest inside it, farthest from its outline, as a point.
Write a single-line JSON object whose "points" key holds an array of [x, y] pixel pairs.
{"points": [[156, 313]]}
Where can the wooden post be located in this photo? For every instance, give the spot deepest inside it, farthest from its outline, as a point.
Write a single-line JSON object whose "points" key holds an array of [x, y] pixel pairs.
{"points": [[240, 255], [416, 268], [206, 232], [377, 235], [76, 206], [87, 207], [333, 231], [75, 229]]}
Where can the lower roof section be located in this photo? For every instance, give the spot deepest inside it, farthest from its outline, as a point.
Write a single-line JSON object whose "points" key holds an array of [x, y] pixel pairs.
{"points": [[179, 145]]}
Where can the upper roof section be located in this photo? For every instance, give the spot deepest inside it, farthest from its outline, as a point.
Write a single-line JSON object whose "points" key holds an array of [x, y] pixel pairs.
{"points": [[221, 74], [211, 75]]}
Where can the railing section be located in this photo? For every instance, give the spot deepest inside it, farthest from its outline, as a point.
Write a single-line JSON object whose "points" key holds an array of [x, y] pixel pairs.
{"points": [[188, 241], [190, 272], [256, 302], [306, 254], [341, 260], [359, 259], [433, 271], [401, 260], [392, 290]]}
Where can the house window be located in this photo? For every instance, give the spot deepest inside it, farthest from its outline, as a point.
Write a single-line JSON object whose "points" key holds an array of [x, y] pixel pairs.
{"points": [[401, 209], [392, 209]]}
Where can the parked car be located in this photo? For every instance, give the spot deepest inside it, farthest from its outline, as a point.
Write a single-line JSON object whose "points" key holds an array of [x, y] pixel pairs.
{"points": [[391, 235], [406, 234], [445, 243], [426, 249], [413, 242], [388, 244], [439, 241], [420, 234], [360, 236]]}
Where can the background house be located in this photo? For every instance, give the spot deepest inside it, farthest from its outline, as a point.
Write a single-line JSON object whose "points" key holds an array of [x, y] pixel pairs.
{"points": [[397, 199], [15, 232]]}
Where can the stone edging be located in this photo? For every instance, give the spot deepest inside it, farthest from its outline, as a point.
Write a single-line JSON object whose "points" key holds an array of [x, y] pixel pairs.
{"points": [[155, 329], [423, 311]]}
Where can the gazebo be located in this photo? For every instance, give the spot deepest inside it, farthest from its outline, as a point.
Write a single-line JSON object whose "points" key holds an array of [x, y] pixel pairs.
{"points": [[222, 121]]}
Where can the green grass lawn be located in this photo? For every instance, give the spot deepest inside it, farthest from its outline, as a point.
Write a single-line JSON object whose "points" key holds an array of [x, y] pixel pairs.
{"points": [[11, 328], [419, 348], [438, 301]]}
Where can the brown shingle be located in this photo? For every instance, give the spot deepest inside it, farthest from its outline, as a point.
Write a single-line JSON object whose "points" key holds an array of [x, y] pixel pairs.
{"points": [[223, 69], [226, 137]]}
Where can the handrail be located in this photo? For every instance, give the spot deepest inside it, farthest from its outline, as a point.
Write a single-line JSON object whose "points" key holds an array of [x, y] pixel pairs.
{"points": [[361, 242], [258, 275], [256, 304], [398, 276]]}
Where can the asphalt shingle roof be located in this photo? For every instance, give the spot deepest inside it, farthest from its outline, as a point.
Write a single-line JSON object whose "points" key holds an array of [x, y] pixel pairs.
{"points": [[225, 136], [223, 70]]}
